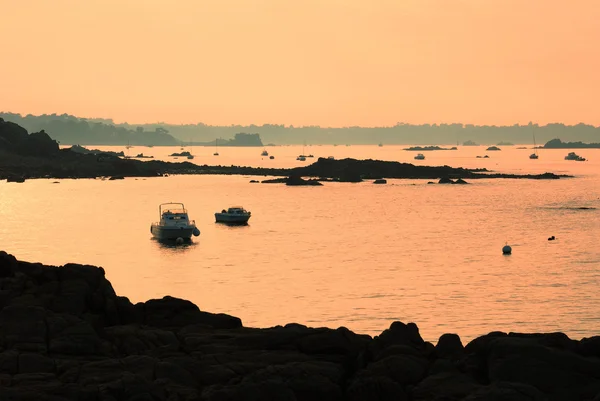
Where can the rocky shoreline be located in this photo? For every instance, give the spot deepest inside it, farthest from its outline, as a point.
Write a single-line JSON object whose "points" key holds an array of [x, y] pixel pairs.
{"points": [[25, 156], [66, 335]]}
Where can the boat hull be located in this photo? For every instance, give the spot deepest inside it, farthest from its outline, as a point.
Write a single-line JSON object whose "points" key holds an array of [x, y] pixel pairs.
{"points": [[232, 219], [168, 233]]}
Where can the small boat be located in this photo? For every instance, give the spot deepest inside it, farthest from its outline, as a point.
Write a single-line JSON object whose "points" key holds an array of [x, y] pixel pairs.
{"points": [[271, 157], [534, 155], [574, 156], [264, 153], [233, 215], [420, 156], [302, 157], [216, 148], [174, 223]]}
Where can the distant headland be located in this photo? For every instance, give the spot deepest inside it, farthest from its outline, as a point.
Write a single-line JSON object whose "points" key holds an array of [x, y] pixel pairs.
{"points": [[68, 129]]}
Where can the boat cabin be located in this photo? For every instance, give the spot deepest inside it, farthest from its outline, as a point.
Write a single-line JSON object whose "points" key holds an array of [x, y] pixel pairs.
{"points": [[173, 214]]}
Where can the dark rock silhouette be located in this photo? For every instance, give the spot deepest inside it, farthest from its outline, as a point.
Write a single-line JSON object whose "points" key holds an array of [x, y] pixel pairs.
{"points": [[15, 139], [446, 180], [66, 335], [180, 154], [81, 149], [293, 180], [493, 148]]}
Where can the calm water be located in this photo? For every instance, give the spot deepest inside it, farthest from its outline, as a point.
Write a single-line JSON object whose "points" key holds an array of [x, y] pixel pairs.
{"points": [[357, 255]]}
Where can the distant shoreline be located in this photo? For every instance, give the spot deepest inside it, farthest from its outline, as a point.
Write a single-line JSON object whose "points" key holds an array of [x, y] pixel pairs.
{"points": [[76, 166]]}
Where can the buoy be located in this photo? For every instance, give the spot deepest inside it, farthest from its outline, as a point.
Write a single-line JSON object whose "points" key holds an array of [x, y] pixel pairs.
{"points": [[179, 240], [506, 249], [196, 232]]}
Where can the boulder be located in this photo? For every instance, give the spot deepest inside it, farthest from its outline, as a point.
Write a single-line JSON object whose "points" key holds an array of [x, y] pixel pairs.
{"points": [[449, 346], [170, 312]]}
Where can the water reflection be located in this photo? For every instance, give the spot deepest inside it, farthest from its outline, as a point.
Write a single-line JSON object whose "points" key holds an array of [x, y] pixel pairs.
{"points": [[232, 224], [174, 245]]}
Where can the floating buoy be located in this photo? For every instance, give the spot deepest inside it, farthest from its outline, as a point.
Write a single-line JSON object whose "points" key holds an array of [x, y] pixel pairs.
{"points": [[196, 232], [179, 240], [506, 249]]}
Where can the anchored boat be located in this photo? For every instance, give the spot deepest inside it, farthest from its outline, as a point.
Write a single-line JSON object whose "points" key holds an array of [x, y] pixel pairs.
{"points": [[174, 223], [233, 215]]}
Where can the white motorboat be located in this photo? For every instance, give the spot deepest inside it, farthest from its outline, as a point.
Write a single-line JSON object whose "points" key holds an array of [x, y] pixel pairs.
{"points": [[233, 215], [174, 223], [420, 156]]}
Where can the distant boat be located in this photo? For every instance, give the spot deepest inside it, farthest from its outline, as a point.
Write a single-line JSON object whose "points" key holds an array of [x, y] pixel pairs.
{"points": [[216, 148], [380, 144], [574, 156], [420, 156], [233, 215], [302, 157], [264, 153], [534, 155], [271, 157]]}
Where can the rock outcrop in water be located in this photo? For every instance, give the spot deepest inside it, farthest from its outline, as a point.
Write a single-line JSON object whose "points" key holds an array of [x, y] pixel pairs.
{"points": [[66, 335]]}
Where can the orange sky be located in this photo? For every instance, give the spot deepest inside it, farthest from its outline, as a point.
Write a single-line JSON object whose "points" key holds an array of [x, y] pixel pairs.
{"points": [[305, 62]]}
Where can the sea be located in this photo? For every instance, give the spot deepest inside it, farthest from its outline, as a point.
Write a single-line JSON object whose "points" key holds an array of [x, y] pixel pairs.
{"points": [[356, 255]]}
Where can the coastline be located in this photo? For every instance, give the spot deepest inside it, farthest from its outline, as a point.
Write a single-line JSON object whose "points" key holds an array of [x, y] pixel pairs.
{"points": [[73, 165], [65, 335], [26, 156]]}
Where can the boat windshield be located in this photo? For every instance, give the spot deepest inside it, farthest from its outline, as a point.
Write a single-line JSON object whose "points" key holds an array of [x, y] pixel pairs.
{"points": [[173, 208], [236, 210]]}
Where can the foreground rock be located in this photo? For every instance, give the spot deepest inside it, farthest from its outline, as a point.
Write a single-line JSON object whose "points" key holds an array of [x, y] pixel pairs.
{"points": [[66, 335]]}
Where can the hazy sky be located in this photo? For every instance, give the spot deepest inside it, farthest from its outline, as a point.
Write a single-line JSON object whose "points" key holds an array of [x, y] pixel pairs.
{"points": [[303, 62]]}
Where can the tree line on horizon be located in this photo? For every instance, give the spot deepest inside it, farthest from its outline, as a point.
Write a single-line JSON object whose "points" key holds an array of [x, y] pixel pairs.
{"points": [[68, 129]]}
